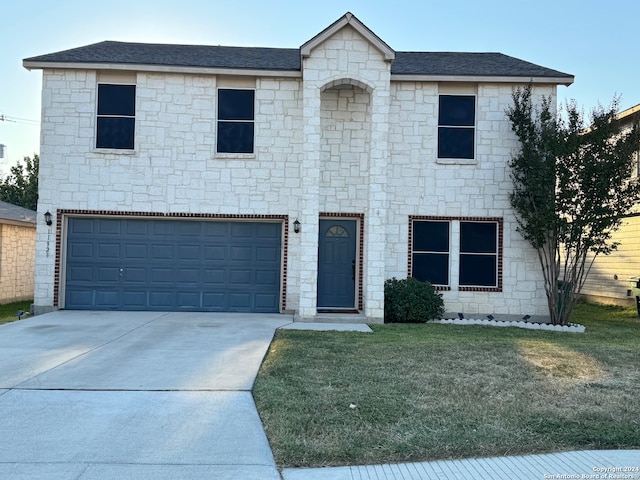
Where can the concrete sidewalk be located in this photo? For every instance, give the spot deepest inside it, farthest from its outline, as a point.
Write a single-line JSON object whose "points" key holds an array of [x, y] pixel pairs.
{"points": [[596, 464]]}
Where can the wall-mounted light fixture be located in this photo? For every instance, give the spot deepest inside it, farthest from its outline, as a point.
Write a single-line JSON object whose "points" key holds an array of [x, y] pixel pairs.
{"points": [[47, 218], [296, 226]]}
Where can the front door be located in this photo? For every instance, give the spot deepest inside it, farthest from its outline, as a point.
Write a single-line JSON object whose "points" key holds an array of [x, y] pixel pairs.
{"points": [[337, 264]]}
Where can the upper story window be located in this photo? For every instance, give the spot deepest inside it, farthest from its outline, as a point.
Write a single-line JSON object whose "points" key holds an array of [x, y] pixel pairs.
{"points": [[456, 126], [235, 120], [115, 126]]}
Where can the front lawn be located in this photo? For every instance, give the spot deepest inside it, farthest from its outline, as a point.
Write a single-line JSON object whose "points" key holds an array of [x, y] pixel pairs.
{"points": [[8, 310], [431, 391]]}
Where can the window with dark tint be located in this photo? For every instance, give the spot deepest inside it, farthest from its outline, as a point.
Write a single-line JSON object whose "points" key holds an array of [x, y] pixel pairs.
{"points": [[430, 251], [116, 116], [479, 254], [456, 126], [235, 121]]}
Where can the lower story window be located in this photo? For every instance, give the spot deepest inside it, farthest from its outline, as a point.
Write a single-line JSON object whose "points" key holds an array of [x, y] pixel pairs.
{"points": [[456, 252]]}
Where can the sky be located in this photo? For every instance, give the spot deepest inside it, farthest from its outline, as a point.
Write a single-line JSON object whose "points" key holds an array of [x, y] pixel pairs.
{"points": [[594, 40]]}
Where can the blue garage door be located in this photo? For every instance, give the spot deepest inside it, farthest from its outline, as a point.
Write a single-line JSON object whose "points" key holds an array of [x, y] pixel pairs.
{"points": [[172, 265]]}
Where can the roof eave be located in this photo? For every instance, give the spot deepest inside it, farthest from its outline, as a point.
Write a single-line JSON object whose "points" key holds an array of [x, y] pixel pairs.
{"points": [[397, 77], [18, 223], [35, 65], [629, 112]]}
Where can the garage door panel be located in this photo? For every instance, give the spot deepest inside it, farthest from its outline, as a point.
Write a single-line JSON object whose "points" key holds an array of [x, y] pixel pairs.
{"points": [[163, 228], [82, 226], [81, 250], [214, 252], [108, 274], [136, 228], [267, 278], [190, 229], [135, 274], [134, 299], [216, 302], [242, 254], [107, 299], [240, 278], [82, 298], [240, 301], [215, 277], [216, 229], [162, 275], [266, 302], [109, 227], [268, 254], [188, 276], [161, 299], [80, 273], [189, 300], [135, 251], [241, 230], [149, 264], [268, 230], [188, 252], [162, 252], [108, 251]]}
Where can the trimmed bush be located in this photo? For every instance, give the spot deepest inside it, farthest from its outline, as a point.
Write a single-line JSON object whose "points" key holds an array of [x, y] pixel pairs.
{"points": [[411, 301]]}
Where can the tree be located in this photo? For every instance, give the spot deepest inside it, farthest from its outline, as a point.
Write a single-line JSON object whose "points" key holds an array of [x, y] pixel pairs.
{"points": [[20, 187], [572, 185]]}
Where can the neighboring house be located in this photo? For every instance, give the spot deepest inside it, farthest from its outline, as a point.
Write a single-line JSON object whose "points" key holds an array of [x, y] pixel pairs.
{"points": [[17, 252], [609, 278], [212, 178]]}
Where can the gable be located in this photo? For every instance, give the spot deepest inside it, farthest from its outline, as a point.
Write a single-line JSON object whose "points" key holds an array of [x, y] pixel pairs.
{"points": [[348, 20]]}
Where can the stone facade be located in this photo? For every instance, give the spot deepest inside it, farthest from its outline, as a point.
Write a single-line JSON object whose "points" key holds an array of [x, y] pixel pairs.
{"points": [[344, 139]]}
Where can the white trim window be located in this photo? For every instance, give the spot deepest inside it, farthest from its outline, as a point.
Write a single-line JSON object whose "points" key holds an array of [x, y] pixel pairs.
{"points": [[462, 253], [116, 117], [236, 112], [456, 126]]}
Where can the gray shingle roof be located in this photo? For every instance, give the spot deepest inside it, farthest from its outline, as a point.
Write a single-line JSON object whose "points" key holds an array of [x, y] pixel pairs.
{"points": [[288, 59], [15, 213]]}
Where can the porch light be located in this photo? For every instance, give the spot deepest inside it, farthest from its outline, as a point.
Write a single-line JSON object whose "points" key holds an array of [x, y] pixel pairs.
{"points": [[296, 226], [47, 218]]}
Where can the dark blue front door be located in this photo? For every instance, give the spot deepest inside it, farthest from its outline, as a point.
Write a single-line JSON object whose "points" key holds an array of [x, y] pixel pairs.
{"points": [[337, 264], [172, 265]]}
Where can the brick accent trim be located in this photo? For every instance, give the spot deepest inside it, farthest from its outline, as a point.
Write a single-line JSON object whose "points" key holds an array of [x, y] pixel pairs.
{"points": [[360, 217], [498, 220], [63, 213]]}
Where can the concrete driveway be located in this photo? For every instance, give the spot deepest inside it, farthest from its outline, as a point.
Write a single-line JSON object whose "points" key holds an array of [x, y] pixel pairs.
{"points": [[144, 395]]}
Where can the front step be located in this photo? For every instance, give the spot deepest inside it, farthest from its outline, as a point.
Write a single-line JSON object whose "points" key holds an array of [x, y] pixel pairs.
{"points": [[357, 318]]}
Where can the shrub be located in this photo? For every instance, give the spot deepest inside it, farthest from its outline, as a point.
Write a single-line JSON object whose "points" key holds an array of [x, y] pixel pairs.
{"points": [[411, 301]]}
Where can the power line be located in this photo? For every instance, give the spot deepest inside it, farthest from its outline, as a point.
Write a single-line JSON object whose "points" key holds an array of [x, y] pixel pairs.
{"points": [[22, 121]]}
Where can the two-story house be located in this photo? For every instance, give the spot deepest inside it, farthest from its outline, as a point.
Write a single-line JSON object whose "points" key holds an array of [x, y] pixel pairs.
{"points": [[212, 178]]}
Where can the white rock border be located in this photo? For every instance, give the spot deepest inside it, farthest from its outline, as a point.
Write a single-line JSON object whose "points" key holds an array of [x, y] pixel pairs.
{"points": [[571, 328]]}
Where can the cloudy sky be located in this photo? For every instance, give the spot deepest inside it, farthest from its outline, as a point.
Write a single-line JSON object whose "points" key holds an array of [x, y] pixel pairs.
{"points": [[594, 40]]}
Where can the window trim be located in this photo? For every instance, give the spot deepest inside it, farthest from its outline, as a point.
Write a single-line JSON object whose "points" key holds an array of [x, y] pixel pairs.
{"points": [[473, 128], [479, 254], [220, 154], [124, 151], [455, 249], [446, 253]]}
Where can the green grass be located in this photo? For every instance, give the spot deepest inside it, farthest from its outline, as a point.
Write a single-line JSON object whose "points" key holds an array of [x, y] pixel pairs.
{"points": [[8, 310], [431, 391]]}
